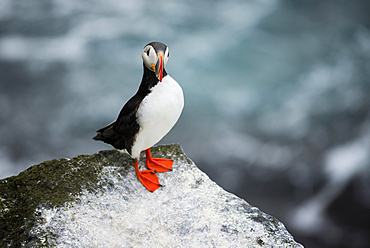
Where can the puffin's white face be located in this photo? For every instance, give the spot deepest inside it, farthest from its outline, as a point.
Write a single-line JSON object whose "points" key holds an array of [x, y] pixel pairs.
{"points": [[155, 61], [150, 57]]}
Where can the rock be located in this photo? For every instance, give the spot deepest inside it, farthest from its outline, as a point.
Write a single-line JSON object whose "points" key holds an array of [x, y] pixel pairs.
{"points": [[97, 201]]}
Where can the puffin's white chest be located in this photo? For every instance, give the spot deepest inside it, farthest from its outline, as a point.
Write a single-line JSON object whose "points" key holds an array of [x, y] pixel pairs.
{"points": [[158, 113]]}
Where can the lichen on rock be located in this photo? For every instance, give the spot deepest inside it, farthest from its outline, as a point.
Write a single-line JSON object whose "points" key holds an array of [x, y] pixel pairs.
{"points": [[96, 200]]}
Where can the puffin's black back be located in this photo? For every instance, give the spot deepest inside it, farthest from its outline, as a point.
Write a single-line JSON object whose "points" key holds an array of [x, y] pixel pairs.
{"points": [[121, 134]]}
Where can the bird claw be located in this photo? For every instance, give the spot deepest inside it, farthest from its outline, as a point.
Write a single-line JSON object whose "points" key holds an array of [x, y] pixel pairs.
{"points": [[158, 164], [148, 178]]}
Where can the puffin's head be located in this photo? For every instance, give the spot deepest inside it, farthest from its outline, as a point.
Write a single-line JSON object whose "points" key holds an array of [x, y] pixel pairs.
{"points": [[155, 56]]}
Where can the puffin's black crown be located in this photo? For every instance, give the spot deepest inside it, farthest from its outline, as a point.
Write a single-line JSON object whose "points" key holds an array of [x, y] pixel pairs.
{"points": [[158, 46]]}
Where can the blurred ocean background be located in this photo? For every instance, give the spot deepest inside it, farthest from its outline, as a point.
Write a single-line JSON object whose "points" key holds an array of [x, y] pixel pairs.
{"points": [[277, 96]]}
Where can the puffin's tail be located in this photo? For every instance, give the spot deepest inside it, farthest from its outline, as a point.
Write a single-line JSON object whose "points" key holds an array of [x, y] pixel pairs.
{"points": [[108, 135], [105, 132]]}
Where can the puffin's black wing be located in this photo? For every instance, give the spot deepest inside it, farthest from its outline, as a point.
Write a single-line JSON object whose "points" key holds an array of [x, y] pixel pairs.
{"points": [[121, 133]]}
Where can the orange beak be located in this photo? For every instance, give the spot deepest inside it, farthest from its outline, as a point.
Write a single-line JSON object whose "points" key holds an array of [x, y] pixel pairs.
{"points": [[159, 67]]}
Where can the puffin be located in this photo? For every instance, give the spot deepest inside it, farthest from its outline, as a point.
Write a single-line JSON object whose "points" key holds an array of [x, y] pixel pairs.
{"points": [[147, 116]]}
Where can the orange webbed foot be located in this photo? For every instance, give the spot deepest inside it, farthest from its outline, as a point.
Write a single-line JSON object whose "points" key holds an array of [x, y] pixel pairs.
{"points": [[148, 178], [158, 164]]}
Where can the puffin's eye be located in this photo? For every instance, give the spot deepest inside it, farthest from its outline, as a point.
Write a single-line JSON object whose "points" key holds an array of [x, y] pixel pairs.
{"points": [[168, 54], [147, 52]]}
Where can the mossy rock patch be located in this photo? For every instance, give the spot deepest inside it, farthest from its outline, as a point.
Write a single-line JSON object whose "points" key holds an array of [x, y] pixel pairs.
{"points": [[55, 182]]}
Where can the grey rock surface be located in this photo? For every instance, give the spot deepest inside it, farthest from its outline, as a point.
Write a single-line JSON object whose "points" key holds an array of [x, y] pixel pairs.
{"points": [[110, 208]]}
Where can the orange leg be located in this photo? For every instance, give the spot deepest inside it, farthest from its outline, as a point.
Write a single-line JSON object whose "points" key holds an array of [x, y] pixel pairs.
{"points": [[148, 178], [157, 164]]}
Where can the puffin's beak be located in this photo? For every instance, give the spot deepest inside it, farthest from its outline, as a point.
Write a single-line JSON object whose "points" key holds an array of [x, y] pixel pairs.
{"points": [[159, 67]]}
